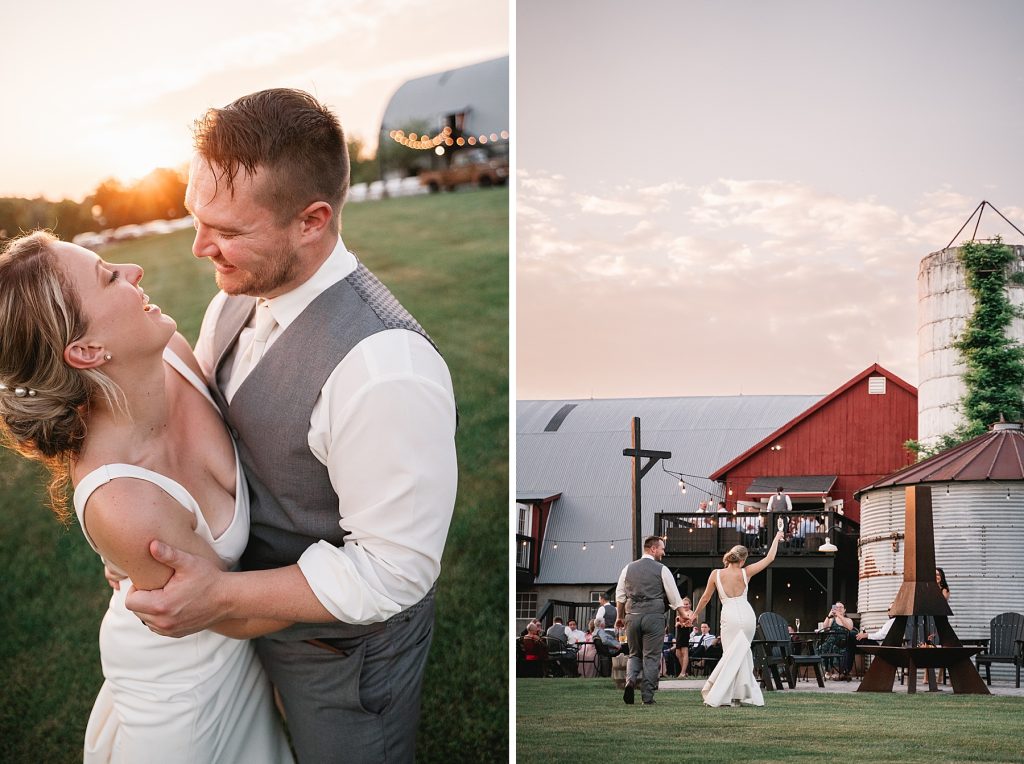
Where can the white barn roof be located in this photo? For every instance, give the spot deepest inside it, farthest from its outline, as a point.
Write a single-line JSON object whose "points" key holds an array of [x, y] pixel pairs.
{"points": [[479, 90], [575, 448]]}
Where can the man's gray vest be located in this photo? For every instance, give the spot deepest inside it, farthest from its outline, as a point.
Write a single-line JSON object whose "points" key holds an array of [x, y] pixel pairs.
{"points": [[608, 611], [645, 591], [292, 502]]}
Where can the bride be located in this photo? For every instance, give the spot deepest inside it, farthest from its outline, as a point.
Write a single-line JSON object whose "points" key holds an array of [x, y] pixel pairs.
{"points": [[732, 680], [97, 385]]}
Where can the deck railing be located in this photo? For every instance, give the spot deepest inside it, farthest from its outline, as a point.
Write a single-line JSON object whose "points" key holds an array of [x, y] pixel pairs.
{"points": [[703, 534]]}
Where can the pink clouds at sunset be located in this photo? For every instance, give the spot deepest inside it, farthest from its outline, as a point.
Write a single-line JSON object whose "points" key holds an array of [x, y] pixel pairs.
{"points": [[753, 219]]}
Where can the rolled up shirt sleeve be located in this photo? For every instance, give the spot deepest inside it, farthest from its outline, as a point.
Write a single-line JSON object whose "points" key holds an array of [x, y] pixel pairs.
{"points": [[671, 590], [385, 429]]}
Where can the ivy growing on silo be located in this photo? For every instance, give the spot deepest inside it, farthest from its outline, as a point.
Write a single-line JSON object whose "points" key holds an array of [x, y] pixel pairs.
{"points": [[995, 363]]}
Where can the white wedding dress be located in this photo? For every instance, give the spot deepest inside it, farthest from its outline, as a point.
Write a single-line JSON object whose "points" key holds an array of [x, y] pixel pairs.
{"points": [[202, 698], [733, 677]]}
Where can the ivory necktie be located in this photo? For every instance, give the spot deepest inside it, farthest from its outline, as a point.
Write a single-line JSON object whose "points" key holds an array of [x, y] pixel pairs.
{"points": [[251, 356]]}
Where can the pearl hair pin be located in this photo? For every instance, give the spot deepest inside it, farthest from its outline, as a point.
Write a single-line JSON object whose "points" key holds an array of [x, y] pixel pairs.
{"points": [[19, 392]]}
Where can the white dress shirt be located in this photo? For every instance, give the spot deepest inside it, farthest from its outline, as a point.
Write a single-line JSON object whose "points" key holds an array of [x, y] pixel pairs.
{"points": [[883, 632], [671, 591], [777, 499], [384, 426]]}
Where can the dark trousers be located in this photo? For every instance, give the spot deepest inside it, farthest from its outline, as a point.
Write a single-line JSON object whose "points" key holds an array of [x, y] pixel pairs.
{"points": [[357, 702]]}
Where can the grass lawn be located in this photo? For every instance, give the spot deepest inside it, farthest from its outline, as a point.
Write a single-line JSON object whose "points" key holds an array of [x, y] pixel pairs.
{"points": [[557, 716], [446, 259]]}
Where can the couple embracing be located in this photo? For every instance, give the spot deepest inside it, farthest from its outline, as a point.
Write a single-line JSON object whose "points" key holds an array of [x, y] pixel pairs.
{"points": [[645, 585], [271, 509]]}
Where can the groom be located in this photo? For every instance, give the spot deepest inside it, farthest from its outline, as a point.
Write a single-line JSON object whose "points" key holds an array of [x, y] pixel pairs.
{"points": [[344, 417], [644, 586]]}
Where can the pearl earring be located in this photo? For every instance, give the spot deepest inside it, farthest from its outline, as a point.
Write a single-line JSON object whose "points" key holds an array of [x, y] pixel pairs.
{"points": [[107, 357]]}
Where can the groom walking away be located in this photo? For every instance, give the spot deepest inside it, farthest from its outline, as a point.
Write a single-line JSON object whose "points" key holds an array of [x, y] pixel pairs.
{"points": [[344, 417], [645, 585]]}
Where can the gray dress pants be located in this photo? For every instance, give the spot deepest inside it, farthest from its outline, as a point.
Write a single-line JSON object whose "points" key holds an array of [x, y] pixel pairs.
{"points": [[645, 633], [357, 702]]}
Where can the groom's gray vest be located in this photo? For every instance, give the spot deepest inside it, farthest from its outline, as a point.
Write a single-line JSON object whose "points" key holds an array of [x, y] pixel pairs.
{"points": [[292, 502], [645, 591]]}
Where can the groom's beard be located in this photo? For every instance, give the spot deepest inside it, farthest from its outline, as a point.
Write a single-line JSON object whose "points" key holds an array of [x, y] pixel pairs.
{"points": [[271, 274]]}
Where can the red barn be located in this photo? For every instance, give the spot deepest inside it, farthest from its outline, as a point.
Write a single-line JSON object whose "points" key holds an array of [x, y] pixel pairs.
{"points": [[847, 440]]}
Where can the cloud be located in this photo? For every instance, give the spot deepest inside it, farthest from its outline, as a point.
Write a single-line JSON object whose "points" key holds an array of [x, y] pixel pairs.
{"points": [[598, 205]]}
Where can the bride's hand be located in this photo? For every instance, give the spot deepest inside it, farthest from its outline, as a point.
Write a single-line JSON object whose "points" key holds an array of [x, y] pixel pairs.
{"points": [[113, 578]]}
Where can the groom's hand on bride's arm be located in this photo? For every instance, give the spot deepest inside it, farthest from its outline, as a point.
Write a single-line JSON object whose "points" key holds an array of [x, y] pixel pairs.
{"points": [[188, 602], [199, 595]]}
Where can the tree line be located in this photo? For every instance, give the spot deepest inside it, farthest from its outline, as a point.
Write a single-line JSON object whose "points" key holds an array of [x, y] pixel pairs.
{"points": [[160, 195]]}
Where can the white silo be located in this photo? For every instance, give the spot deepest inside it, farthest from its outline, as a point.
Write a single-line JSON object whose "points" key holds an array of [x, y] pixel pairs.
{"points": [[943, 307], [978, 515]]}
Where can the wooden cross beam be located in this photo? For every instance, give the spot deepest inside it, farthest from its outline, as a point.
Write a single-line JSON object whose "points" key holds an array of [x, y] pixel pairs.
{"points": [[636, 453]]}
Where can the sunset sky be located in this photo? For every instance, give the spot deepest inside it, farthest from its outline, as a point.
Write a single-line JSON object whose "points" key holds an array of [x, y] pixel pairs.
{"points": [[104, 89], [725, 198]]}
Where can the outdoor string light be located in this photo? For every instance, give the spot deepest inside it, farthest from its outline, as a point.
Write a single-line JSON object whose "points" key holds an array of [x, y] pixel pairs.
{"points": [[423, 142], [681, 477], [584, 544]]}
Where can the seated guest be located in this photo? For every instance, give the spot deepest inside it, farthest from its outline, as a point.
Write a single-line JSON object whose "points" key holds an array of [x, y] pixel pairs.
{"points": [[573, 635], [607, 638], [842, 638], [875, 637], [586, 655], [533, 646], [714, 650], [699, 651], [669, 666], [557, 631]]}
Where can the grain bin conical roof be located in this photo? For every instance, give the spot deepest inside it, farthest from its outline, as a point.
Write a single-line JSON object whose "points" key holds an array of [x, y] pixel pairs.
{"points": [[996, 455]]}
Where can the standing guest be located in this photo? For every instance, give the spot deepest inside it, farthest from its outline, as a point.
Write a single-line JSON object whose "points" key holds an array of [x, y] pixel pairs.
{"points": [[605, 611], [780, 502], [940, 579], [643, 587], [724, 521], [684, 624]]}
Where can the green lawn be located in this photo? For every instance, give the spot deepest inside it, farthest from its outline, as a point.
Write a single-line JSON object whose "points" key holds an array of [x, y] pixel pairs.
{"points": [[446, 259], [555, 716]]}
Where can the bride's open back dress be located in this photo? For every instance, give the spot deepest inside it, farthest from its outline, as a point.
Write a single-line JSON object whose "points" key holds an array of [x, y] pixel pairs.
{"points": [[733, 677]]}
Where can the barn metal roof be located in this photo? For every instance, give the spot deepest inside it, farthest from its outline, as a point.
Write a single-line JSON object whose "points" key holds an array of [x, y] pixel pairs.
{"points": [[792, 484], [582, 458], [479, 90], [996, 455]]}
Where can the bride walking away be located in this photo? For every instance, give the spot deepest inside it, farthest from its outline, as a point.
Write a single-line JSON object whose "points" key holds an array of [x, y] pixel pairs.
{"points": [[733, 681]]}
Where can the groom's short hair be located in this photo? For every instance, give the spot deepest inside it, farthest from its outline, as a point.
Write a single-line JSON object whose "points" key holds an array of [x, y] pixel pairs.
{"points": [[287, 133], [651, 541]]}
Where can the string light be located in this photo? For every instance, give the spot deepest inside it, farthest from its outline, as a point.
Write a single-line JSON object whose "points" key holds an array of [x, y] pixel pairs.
{"points": [[424, 142], [584, 544]]}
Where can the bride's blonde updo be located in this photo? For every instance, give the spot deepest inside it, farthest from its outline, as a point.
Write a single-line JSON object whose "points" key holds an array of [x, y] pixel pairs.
{"points": [[44, 402], [737, 554]]}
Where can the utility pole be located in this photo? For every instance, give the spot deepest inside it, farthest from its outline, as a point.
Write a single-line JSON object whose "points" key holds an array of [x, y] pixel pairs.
{"points": [[636, 453]]}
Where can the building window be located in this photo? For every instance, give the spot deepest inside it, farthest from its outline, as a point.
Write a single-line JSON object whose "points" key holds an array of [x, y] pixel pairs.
{"points": [[876, 385], [526, 604], [525, 522], [595, 595]]}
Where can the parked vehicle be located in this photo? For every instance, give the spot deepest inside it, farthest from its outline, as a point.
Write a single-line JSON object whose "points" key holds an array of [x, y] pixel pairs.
{"points": [[469, 166]]}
